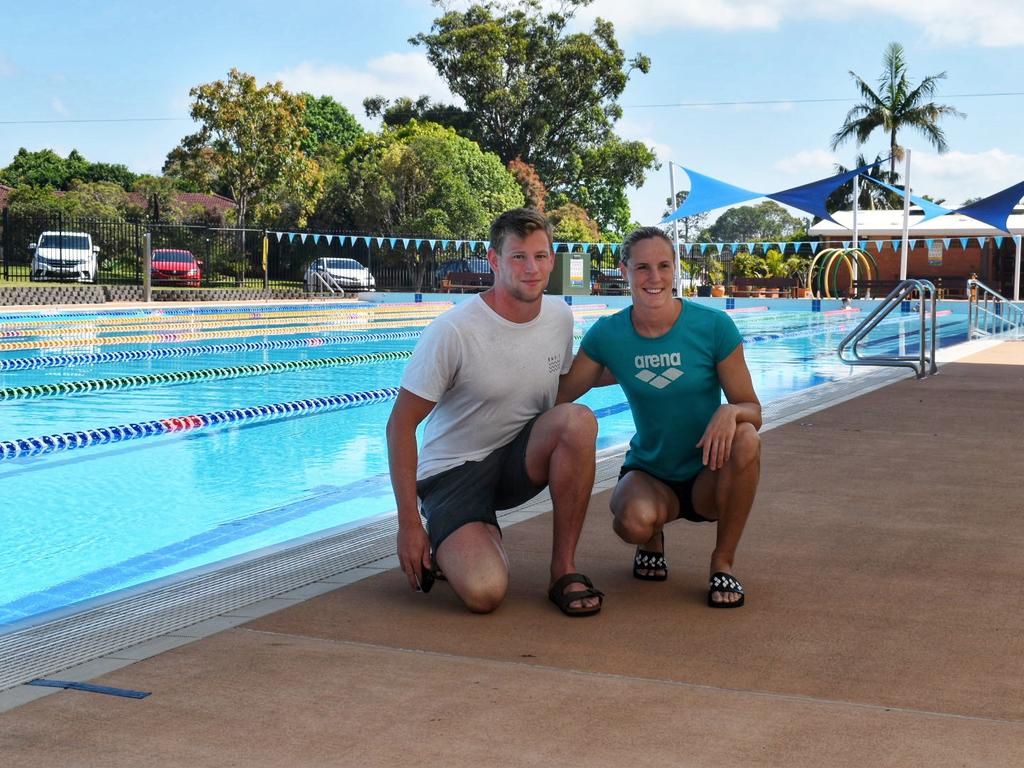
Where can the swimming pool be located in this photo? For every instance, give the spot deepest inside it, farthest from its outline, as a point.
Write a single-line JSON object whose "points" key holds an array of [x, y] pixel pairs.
{"points": [[284, 433]]}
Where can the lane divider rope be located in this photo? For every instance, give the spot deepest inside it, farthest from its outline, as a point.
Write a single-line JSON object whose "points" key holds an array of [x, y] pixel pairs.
{"points": [[69, 441], [58, 361], [121, 383]]}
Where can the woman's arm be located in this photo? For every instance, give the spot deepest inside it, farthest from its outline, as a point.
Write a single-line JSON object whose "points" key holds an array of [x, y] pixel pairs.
{"points": [[742, 406], [581, 378]]}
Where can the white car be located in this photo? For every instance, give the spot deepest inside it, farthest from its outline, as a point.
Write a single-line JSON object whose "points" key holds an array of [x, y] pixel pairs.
{"points": [[68, 255], [327, 274]]}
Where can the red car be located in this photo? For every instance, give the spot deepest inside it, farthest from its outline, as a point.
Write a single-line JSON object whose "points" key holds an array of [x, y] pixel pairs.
{"points": [[173, 265]]}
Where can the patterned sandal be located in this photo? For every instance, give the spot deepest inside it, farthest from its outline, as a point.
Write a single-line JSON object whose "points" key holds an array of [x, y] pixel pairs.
{"points": [[646, 560], [725, 582]]}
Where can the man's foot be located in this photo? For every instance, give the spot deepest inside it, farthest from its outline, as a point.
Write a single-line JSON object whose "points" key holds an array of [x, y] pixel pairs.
{"points": [[649, 561], [584, 600], [724, 591]]}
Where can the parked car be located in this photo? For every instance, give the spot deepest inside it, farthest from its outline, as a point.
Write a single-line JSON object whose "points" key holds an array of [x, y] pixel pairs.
{"points": [[176, 265], [65, 255], [445, 268], [340, 274]]}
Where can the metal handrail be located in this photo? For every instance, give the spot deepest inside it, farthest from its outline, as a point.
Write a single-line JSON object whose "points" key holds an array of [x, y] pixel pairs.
{"points": [[989, 313], [924, 362], [329, 281]]}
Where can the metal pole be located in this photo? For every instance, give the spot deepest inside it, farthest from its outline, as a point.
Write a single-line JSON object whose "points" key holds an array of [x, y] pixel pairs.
{"points": [[1016, 269], [147, 269], [856, 231], [677, 269], [905, 246]]}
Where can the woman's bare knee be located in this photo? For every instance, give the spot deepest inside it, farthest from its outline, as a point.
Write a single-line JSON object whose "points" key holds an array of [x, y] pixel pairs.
{"points": [[746, 446]]}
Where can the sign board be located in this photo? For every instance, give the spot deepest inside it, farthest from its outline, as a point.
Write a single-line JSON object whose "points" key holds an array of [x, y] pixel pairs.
{"points": [[935, 254], [576, 270]]}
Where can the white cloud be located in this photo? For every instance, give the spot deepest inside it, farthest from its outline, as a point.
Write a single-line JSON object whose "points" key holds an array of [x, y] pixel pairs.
{"points": [[391, 75], [812, 163], [957, 176], [655, 15], [989, 23], [58, 106]]}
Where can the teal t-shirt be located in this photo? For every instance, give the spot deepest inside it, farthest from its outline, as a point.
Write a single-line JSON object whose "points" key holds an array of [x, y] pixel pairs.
{"points": [[671, 383]]}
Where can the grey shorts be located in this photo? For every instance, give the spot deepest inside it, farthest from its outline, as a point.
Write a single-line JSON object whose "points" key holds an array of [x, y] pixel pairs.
{"points": [[474, 491]]}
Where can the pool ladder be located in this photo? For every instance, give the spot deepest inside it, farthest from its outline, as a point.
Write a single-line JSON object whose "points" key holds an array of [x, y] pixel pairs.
{"points": [[991, 314], [923, 362]]}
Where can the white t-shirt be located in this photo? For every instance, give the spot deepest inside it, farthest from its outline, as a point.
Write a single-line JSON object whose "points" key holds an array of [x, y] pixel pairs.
{"points": [[489, 377]]}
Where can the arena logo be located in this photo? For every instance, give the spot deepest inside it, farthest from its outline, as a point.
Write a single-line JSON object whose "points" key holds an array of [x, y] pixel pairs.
{"points": [[667, 360]]}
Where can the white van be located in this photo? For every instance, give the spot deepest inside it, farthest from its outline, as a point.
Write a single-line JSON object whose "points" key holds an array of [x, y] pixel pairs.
{"points": [[69, 255]]}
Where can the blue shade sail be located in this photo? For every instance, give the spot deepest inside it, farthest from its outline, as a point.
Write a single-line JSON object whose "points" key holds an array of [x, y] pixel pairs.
{"points": [[810, 198], [931, 210], [995, 209], [707, 194]]}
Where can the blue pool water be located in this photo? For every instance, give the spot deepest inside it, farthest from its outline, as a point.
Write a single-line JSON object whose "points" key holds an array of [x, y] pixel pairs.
{"points": [[83, 523]]}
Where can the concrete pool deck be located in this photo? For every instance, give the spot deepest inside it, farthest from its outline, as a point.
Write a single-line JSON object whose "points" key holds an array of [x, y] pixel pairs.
{"points": [[884, 627]]}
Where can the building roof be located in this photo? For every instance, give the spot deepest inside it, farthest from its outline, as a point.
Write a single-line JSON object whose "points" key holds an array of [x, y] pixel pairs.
{"points": [[889, 223]]}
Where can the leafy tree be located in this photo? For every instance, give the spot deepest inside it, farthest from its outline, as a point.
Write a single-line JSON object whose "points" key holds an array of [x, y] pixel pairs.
{"points": [[898, 104], [330, 128], [45, 168], [418, 179], [572, 224], [534, 91], [766, 221], [534, 191], [250, 141], [403, 109]]}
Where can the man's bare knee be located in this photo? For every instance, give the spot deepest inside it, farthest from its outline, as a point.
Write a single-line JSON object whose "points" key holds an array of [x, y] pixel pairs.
{"points": [[484, 595]]}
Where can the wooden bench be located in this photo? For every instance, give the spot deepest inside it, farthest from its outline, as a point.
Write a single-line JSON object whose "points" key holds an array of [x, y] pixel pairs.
{"points": [[769, 287], [466, 282]]}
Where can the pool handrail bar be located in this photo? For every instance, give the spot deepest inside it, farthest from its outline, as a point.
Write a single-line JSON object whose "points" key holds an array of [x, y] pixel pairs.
{"points": [[1004, 316], [922, 363]]}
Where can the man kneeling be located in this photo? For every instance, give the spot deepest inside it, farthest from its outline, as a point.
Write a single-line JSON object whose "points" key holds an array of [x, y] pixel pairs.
{"points": [[487, 372]]}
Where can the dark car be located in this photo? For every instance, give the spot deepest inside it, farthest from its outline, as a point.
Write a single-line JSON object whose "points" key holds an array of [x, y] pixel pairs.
{"points": [[445, 268], [176, 265]]}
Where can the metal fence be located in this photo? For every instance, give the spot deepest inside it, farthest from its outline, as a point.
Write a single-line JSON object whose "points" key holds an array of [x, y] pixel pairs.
{"points": [[226, 257]]}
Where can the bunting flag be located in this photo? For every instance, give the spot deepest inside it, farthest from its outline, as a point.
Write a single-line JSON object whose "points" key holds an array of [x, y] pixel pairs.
{"points": [[913, 244], [981, 241], [999, 242], [879, 244], [846, 243], [302, 238], [963, 242], [931, 210], [703, 248], [707, 194], [995, 209], [863, 245], [946, 241], [814, 245], [811, 197], [928, 241]]}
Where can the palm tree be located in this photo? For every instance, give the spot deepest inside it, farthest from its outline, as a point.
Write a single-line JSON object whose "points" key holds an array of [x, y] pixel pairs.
{"points": [[871, 196], [899, 104]]}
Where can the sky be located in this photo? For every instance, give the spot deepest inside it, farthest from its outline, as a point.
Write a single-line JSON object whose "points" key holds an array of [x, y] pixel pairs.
{"points": [[746, 91]]}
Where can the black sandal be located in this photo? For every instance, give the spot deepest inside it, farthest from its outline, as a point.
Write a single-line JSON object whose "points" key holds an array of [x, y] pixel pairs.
{"points": [[563, 599], [725, 582], [646, 560]]}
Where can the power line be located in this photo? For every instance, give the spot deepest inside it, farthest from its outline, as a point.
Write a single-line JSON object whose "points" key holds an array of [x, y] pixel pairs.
{"points": [[799, 101]]}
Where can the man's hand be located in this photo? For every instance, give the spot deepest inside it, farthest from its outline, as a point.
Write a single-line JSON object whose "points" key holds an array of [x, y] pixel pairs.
{"points": [[413, 553], [717, 438]]}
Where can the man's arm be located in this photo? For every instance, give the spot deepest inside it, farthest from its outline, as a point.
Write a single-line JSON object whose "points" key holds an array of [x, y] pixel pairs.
{"points": [[413, 545], [742, 406], [581, 378]]}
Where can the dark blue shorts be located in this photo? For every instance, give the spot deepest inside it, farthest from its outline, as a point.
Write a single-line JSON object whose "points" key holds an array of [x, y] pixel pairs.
{"points": [[474, 491]]}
